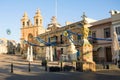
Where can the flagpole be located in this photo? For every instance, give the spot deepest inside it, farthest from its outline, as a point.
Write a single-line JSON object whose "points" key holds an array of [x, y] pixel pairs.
{"points": [[56, 8]]}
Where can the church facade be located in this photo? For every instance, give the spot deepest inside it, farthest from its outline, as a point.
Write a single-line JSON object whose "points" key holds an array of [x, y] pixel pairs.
{"points": [[29, 30]]}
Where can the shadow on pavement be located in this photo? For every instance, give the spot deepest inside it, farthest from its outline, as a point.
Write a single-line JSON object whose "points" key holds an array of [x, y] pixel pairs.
{"points": [[63, 76]]}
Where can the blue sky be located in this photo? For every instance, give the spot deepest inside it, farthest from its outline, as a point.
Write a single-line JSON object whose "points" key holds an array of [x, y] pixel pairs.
{"points": [[11, 11]]}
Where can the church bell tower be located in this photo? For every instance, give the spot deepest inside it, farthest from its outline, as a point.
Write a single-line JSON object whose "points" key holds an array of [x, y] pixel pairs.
{"points": [[29, 30], [38, 20]]}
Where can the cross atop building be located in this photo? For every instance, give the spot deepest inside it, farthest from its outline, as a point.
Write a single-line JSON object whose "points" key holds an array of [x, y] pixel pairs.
{"points": [[84, 21], [84, 16]]}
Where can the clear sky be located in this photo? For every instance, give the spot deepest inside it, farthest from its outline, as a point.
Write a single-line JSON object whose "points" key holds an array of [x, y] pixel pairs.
{"points": [[11, 12]]}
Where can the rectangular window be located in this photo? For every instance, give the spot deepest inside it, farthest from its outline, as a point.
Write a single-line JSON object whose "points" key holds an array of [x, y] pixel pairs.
{"points": [[94, 36], [61, 50], [78, 37], [118, 30], [61, 39], [54, 39], [48, 39], [106, 32]]}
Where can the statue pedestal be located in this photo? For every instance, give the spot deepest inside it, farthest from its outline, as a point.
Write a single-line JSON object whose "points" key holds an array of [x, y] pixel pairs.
{"points": [[85, 66], [86, 58]]}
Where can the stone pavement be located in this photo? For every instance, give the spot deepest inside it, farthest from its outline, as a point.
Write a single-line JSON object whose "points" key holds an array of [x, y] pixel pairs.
{"points": [[20, 64], [38, 72]]}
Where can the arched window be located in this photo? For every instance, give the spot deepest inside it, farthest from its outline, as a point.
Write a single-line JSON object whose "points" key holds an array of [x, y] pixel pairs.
{"points": [[37, 21], [40, 21], [28, 23], [23, 23]]}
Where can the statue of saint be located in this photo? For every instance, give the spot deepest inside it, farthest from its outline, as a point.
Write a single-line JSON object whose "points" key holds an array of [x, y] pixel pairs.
{"points": [[85, 32], [84, 29]]}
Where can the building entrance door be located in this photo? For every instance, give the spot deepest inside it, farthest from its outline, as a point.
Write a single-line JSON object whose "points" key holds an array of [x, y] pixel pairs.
{"points": [[108, 54]]}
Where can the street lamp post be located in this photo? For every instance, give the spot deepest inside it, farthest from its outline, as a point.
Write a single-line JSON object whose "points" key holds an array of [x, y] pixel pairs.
{"points": [[9, 33]]}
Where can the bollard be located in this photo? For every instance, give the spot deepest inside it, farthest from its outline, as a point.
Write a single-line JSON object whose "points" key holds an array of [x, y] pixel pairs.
{"points": [[104, 65], [61, 66], [118, 63], [45, 68], [29, 67], [45, 65], [11, 67], [107, 66]]}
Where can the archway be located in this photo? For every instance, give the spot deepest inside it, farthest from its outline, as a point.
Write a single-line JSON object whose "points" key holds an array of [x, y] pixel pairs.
{"points": [[30, 37]]}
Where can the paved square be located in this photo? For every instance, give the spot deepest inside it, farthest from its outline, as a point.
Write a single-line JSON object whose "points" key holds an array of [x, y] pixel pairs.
{"points": [[38, 72]]}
